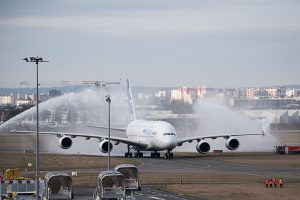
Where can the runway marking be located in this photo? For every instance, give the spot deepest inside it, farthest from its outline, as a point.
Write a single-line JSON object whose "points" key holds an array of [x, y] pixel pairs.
{"points": [[156, 198], [138, 194]]}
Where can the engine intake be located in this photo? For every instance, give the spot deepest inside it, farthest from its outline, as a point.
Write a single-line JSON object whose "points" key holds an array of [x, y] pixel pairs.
{"points": [[232, 144], [103, 146], [65, 142], [203, 147]]}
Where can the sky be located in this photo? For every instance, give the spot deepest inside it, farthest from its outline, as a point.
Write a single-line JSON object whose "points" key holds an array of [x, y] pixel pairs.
{"points": [[157, 43]]}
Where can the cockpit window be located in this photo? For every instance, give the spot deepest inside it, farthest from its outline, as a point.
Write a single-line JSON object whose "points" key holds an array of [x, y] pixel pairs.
{"points": [[147, 131], [169, 134]]}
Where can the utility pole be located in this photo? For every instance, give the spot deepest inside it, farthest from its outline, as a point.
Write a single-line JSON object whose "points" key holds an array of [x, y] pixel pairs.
{"points": [[37, 60]]}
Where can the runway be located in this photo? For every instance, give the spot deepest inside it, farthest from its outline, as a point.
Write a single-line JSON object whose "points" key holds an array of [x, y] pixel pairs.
{"points": [[217, 164]]}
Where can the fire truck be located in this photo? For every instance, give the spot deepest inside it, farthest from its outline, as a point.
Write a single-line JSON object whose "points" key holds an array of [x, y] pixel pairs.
{"points": [[287, 149]]}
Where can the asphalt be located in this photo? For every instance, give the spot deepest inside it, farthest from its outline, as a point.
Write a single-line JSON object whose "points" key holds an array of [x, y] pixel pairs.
{"points": [[202, 164], [86, 193], [197, 164], [191, 163]]}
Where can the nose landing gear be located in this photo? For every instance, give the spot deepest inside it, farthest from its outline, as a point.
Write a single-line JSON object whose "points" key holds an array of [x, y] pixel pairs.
{"points": [[169, 155], [155, 154], [139, 154]]}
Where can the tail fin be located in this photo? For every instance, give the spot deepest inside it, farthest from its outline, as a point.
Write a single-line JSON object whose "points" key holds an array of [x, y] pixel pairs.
{"points": [[130, 100]]}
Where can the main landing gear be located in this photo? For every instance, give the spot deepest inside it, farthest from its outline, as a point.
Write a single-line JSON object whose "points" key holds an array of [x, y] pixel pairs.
{"points": [[138, 154], [128, 153], [168, 155]]}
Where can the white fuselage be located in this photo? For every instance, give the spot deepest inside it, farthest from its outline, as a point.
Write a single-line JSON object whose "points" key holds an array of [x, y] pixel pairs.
{"points": [[155, 135]]}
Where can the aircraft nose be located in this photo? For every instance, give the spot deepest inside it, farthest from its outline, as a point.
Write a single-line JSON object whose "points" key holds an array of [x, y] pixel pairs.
{"points": [[170, 142]]}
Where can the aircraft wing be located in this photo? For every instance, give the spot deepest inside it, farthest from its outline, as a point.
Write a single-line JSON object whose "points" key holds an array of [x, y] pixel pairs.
{"points": [[112, 128], [198, 138], [74, 135]]}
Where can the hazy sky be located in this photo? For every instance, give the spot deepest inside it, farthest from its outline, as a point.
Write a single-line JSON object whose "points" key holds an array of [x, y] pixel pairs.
{"points": [[218, 43]]}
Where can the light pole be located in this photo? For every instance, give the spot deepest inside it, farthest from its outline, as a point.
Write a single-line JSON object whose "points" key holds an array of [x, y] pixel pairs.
{"points": [[37, 60], [108, 100]]}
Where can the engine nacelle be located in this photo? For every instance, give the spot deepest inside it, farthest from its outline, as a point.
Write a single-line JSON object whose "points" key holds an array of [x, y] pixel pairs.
{"points": [[203, 147], [65, 142], [232, 144], [103, 146]]}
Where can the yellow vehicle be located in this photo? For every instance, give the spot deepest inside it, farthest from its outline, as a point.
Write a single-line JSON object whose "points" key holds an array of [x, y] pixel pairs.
{"points": [[12, 174]]}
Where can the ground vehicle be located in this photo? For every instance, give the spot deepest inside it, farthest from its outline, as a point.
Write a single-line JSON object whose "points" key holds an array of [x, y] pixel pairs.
{"points": [[110, 185], [11, 174], [131, 179], [15, 187], [287, 149], [19, 189], [58, 185]]}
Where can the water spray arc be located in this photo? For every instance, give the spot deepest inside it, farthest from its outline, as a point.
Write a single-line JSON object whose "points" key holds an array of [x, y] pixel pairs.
{"points": [[37, 60]]}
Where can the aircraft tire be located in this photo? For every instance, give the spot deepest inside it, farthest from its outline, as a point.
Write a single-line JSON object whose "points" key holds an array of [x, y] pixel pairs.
{"points": [[157, 155], [139, 155]]}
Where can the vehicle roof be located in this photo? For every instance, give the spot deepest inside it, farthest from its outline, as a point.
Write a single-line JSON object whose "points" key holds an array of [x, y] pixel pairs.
{"points": [[109, 173], [125, 165], [53, 174]]}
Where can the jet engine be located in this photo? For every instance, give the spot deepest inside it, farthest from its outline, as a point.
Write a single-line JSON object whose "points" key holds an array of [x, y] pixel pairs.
{"points": [[232, 143], [103, 146], [203, 147], [65, 142]]}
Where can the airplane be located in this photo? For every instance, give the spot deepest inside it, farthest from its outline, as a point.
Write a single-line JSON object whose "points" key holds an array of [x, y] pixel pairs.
{"points": [[145, 135]]}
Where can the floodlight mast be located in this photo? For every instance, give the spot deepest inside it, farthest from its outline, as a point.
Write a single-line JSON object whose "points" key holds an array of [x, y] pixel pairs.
{"points": [[108, 100], [37, 60]]}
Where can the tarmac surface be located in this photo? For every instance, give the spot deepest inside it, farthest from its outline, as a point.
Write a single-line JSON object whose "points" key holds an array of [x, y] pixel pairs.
{"points": [[86, 193], [231, 169], [196, 164], [202, 164], [213, 163]]}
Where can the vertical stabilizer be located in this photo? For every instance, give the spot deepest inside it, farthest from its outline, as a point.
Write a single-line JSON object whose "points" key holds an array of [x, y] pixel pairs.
{"points": [[130, 101]]}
